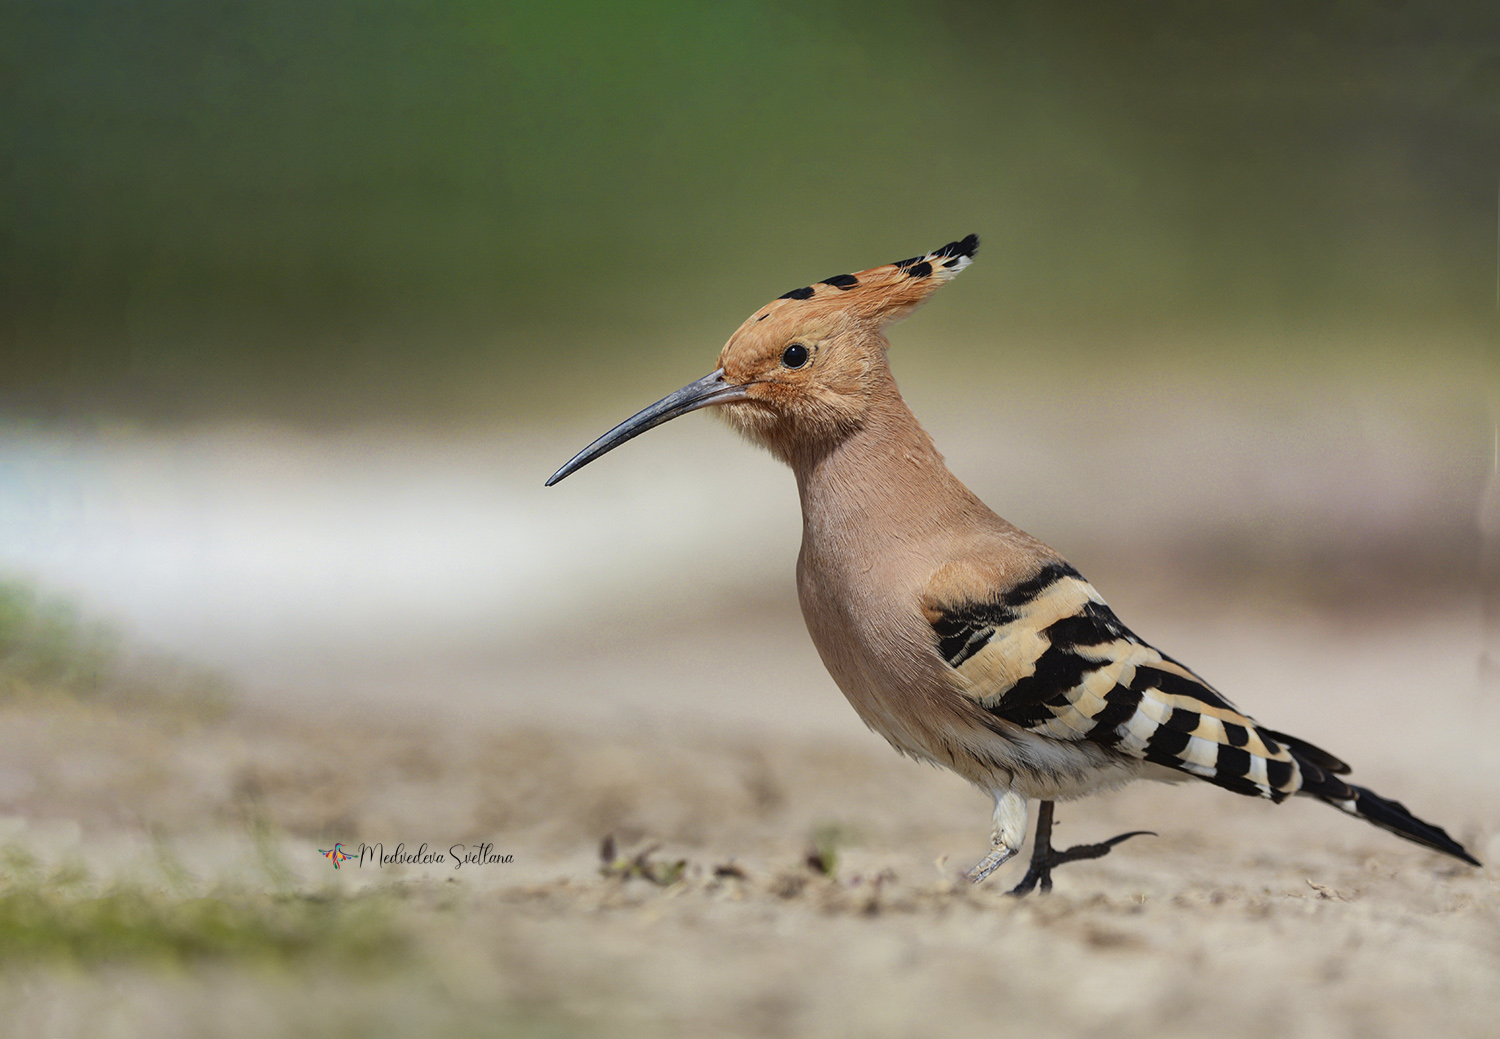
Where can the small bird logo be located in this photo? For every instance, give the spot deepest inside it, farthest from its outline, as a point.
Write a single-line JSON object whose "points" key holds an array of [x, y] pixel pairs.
{"points": [[335, 854]]}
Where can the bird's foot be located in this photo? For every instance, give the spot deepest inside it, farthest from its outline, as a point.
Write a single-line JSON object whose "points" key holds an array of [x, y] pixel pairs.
{"points": [[1039, 875], [991, 862]]}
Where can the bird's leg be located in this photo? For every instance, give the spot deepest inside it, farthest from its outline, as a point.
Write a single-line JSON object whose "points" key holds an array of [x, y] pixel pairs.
{"points": [[1010, 832], [1043, 858]]}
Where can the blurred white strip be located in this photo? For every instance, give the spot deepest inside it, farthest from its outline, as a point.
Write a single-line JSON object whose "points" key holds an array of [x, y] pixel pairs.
{"points": [[239, 543], [248, 547]]}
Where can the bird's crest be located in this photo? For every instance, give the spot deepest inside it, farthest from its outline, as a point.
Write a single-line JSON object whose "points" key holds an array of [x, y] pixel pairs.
{"points": [[804, 368], [880, 294]]}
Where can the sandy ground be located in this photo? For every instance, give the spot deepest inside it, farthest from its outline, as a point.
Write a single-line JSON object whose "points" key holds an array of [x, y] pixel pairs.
{"points": [[1239, 919], [691, 722]]}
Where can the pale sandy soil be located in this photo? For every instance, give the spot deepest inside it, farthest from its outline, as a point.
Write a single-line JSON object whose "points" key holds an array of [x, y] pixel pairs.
{"points": [[1239, 919]]}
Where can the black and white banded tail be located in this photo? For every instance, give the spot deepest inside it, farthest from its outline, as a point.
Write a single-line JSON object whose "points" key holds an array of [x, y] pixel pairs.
{"points": [[1050, 657], [1372, 808]]}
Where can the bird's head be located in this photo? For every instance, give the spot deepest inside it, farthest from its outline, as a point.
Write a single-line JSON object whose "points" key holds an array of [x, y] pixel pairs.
{"points": [[803, 368]]}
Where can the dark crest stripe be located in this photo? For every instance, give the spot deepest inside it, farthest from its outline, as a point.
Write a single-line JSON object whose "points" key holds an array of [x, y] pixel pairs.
{"points": [[966, 246]]}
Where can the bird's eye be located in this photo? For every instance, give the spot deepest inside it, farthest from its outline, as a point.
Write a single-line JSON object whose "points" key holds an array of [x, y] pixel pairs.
{"points": [[794, 356]]}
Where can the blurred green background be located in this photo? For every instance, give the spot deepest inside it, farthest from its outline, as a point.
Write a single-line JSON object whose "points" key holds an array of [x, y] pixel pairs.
{"points": [[329, 211]]}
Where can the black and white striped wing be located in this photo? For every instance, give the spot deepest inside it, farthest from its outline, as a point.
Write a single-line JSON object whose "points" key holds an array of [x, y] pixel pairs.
{"points": [[1052, 658]]}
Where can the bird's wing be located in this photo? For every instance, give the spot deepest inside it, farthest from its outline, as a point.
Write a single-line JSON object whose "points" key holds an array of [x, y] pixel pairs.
{"points": [[1049, 656]]}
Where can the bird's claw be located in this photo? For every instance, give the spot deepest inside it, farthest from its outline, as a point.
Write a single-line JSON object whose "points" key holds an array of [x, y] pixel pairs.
{"points": [[1039, 875], [991, 862]]}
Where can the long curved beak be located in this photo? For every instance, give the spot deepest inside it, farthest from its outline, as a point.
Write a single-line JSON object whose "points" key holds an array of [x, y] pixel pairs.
{"points": [[709, 390]]}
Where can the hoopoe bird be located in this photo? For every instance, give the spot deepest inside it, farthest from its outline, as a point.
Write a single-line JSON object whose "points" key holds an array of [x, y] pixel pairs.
{"points": [[961, 639]]}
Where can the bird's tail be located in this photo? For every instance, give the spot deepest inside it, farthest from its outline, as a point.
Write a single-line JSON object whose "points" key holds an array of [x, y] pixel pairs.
{"points": [[1372, 808]]}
